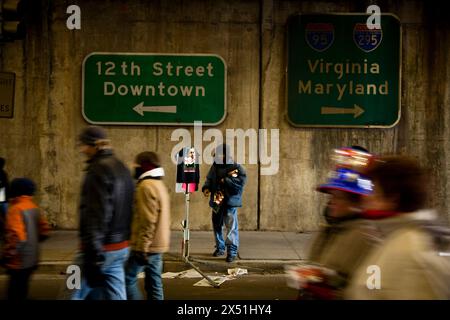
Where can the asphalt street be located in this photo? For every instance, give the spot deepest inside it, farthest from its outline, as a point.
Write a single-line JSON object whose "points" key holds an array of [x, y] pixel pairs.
{"points": [[245, 287]]}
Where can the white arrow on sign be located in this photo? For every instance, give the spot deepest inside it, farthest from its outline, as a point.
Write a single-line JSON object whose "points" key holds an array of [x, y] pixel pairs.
{"points": [[140, 108], [356, 110]]}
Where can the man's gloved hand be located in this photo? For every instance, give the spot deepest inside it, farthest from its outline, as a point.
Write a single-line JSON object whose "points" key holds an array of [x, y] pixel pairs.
{"points": [[93, 274], [140, 257]]}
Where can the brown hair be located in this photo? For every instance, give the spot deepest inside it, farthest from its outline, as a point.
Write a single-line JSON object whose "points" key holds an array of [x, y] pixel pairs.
{"points": [[148, 158], [401, 179]]}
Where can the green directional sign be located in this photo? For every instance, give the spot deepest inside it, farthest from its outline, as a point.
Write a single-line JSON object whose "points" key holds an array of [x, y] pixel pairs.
{"points": [[341, 73], [154, 89]]}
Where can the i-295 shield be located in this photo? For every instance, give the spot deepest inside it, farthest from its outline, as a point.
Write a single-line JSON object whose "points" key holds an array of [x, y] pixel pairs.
{"points": [[367, 39]]}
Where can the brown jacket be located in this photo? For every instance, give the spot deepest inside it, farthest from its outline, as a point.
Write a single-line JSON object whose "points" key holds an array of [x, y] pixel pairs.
{"points": [[151, 220], [409, 265], [342, 246]]}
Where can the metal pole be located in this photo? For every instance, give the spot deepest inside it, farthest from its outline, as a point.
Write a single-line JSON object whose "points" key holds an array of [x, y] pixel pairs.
{"points": [[186, 225], [186, 240]]}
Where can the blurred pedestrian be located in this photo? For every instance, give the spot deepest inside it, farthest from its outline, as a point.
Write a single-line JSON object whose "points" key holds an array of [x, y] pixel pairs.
{"points": [[105, 219], [342, 243], [406, 264], [4, 186], [25, 227], [356, 148], [224, 186], [150, 236]]}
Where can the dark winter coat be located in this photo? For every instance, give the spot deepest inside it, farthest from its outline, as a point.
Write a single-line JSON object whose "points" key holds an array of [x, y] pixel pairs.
{"points": [[231, 187], [106, 204]]}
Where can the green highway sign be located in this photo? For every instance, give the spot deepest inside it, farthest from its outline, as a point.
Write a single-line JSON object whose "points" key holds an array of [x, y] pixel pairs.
{"points": [[153, 89], [340, 73]]}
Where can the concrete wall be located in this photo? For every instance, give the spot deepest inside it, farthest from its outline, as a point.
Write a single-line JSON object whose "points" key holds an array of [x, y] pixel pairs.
{"points": [[40, 141], [423, 131]]}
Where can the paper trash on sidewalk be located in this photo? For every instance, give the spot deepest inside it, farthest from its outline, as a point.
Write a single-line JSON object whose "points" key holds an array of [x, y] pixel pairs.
{"points": [[237, 272], [170, 275], [191, 273], [217, 279]]}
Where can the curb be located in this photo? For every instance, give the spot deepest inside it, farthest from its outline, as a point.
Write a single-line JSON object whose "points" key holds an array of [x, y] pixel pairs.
{"points": [[254, 266], [172, 264]]}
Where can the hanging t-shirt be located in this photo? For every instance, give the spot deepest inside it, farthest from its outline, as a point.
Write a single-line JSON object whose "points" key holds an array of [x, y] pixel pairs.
{"points": [[188, 170]]}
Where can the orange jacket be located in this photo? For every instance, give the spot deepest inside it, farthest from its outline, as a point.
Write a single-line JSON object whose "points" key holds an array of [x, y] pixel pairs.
{"points": [[25, 226]]}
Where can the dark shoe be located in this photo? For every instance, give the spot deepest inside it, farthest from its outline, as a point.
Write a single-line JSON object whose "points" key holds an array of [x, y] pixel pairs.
{"points": [[218, 253], [230, 258]]}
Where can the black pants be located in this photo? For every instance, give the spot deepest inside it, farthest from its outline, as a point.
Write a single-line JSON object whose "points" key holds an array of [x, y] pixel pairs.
{"points": [[18, 283]]}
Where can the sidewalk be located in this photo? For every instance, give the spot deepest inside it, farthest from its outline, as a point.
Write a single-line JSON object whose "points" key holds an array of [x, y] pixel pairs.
{"points": [[260, 251]]}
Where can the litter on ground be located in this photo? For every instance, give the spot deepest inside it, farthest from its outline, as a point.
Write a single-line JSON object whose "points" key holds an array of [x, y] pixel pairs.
{"points": [[192, 273]]}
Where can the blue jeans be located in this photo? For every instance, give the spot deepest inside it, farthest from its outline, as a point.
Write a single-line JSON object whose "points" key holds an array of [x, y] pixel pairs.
{"points": [[227, 216], [153, 282], [3, 209], [113, 269]]}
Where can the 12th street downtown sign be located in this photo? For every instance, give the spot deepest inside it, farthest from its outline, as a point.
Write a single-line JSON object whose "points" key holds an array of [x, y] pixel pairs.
{"points": [[153, 89], [340, 73]]}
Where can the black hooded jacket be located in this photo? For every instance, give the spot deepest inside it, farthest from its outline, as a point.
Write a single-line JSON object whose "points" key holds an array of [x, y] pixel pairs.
{"points": [[106, 204], [218, 178]]}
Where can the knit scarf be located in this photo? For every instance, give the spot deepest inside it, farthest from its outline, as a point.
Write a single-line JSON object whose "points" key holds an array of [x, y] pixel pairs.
{"points": [[378, 214]]}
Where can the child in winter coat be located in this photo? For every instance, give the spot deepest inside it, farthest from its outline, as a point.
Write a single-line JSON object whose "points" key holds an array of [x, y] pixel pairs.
{"points": [[25, 227]]}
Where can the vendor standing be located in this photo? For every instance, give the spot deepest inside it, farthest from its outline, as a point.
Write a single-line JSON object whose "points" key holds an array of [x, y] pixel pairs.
{"points": [[224, 186]]}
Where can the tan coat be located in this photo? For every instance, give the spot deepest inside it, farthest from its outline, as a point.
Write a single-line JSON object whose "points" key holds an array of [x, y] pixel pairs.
{"points": [[342, 247], [404, 263], [151, 220]]}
